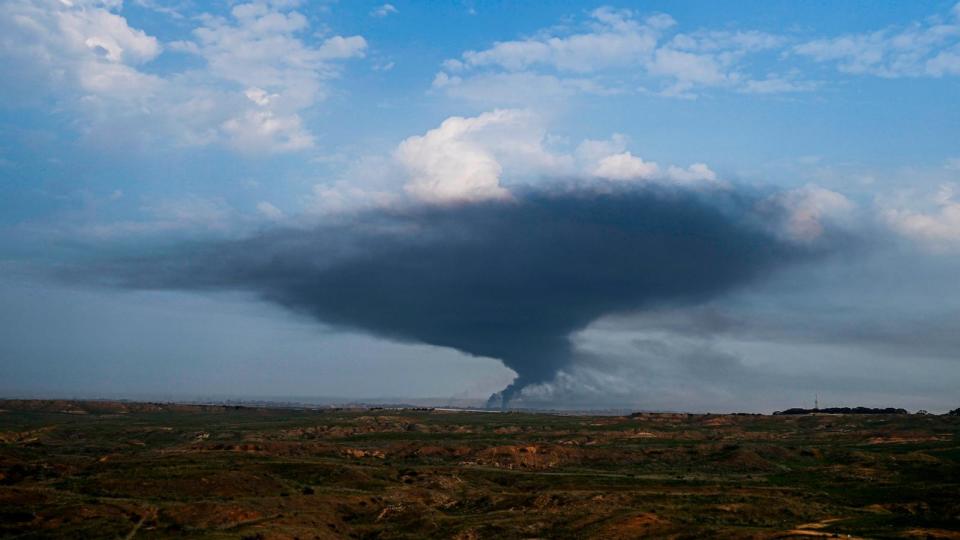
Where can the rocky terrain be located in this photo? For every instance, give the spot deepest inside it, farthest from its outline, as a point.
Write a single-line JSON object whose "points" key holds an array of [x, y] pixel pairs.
{"points": [[129, 470]]}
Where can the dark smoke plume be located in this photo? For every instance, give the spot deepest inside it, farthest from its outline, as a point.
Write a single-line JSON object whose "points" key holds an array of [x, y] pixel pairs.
{"points": [[508, 280]]}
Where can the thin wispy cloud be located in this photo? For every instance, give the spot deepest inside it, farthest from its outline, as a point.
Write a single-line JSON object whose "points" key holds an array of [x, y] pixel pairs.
{"points": [[384, 11], [928, 48], [621, 50]]}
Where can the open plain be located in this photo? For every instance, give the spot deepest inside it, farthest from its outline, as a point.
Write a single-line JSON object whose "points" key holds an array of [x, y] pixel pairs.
{"points": [[136, 470]]}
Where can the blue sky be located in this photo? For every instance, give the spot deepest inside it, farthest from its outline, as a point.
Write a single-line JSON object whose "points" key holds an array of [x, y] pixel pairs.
{"points": [[139, 124]]}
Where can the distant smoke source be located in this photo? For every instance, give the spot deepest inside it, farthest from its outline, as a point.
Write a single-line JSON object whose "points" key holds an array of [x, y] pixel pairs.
{"points": [[509, 280]]}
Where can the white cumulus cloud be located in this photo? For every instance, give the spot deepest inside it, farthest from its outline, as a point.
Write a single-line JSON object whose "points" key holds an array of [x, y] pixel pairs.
{"points": [[625, 166], [467, 158], [812, 208], [260, 71], [938, 228], [450, 163]]}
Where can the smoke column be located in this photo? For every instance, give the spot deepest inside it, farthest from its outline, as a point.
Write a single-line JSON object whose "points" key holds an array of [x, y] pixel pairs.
{"points": [[508, 280]]}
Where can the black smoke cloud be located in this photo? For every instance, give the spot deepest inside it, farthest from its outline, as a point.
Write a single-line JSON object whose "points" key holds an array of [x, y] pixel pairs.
{"points": [[509, 280]]}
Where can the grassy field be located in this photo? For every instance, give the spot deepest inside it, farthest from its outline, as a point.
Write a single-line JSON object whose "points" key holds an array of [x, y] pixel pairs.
{"points": [[124, 470]]}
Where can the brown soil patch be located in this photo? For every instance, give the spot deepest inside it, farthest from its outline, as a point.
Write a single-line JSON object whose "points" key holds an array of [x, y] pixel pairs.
{"points": [[208, 515], [528, 457], [933, 534], [638, 526]]}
